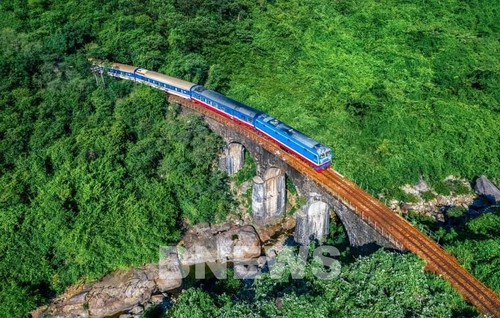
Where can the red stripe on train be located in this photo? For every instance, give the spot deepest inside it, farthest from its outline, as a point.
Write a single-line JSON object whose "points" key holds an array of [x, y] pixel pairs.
{"points": [[316, 167]]}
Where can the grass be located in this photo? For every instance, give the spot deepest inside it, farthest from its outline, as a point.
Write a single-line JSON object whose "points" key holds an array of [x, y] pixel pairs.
{"points": [[397, 89]]}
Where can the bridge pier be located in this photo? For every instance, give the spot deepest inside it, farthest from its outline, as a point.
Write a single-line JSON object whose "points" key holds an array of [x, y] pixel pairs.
{"points": [[233, 158], [312, 221], [269, 196]]}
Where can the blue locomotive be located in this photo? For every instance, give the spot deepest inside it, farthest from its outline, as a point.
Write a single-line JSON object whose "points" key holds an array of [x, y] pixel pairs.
{"points": [[315, 154]]}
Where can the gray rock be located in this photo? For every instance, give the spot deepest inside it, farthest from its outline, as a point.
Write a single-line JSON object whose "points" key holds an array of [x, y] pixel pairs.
{"points": [[261, 261], [487, 189], [157, 299], [136, 310], [215, 245], [120, 291], [421, 186], [200, 246], [242, 271]]}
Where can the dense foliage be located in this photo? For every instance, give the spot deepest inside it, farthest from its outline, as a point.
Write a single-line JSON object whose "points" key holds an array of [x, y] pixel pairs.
{"points": [[398, 89], [474, 241], [92, 177], [95, 177], [383, 285]]}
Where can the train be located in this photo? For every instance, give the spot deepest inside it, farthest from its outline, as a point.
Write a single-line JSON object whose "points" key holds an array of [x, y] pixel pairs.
{"points": [[315, 154]]}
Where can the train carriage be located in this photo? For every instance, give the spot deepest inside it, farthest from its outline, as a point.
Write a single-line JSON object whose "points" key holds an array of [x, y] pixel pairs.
{"points": [[122, 71], [225, 106], [166, 83], [316, 154]]}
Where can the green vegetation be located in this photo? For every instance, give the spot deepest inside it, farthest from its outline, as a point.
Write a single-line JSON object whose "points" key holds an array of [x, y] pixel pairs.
{"points": [[96, 177], [428, 196], [474, 241], [398, 89], [247, 172], [451, 186], [92, 178], [383, 285]]}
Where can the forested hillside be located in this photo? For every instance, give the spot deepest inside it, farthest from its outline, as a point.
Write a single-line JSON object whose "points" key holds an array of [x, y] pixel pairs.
{"points": [[398, 89], [96, 177]]}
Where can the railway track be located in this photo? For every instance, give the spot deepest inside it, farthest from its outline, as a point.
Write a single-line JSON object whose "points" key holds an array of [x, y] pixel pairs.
{"points": [[396, 229]]}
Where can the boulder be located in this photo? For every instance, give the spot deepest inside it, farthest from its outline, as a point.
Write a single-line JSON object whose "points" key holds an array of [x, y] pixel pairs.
{"points": [[246, 271], [118, 292], [266, 233], [421, 186], [169, 273], [487, 189], [68, 305], [219, 244]]}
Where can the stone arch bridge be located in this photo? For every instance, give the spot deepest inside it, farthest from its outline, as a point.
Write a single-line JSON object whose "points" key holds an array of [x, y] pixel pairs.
{"points": [[366, 220], [269, 193]]}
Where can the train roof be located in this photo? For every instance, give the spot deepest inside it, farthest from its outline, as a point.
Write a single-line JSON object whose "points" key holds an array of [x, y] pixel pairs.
{"points": [[297, 135], [166, 79], [219, 98], [124, 67]]}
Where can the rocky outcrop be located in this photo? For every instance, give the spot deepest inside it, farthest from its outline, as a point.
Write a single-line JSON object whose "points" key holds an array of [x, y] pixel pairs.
{"points": [[437, 205], [268, 232], [222, 243], [123, 291], [313, 221], [129, 292], [417, 189], [487, 189]]}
